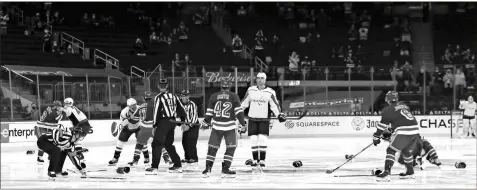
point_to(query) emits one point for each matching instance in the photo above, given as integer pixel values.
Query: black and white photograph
(238, 94)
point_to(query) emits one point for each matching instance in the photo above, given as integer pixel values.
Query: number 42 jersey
(223, 109)
(400, 119)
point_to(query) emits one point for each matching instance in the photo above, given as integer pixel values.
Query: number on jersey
(407, 114)
(222, 110)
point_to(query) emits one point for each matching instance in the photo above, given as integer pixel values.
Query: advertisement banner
(4, 138)
(21, 132)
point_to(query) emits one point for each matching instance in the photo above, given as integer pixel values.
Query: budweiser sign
(215, 77)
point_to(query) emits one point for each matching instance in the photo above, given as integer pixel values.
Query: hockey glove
(282, 118)
(386, 135)
(204, 125)
(376, 140)
(242, 129)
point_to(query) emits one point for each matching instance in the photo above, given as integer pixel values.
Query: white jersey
(130, 118)
(259, 101)
(75, 115)
(469, 108)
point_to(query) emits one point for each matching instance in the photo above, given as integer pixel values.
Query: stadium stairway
(18, 49)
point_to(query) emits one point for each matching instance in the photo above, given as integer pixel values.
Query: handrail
(106, 58)
(72, 42)
(158, 66)
(16, 9)
(19, 74)
(143, 72)
(260, 63)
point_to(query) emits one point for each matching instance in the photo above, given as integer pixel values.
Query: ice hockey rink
(318, 154)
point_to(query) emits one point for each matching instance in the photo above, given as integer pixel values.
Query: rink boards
(346, 126)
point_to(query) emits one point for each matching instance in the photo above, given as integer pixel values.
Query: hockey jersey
(223, 109)
(75, 115)
(469, 108)
(400, 120)
(129, 116)
(146, 112)
(50, 118)
(258, 101)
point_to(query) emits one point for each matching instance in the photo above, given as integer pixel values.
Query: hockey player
(405, 135)
(62, 142)
(47, 122)
(76, 116)
(146, 116)
(259, 99)
(423, 149)
(222, 111)
(468, 119)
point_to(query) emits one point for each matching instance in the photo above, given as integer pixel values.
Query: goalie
(423, 149)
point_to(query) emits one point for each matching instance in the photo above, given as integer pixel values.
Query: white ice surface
(319, 154)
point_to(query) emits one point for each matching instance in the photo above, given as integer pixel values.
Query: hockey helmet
(147, 95)
(185, 93)
(225, 84)
(131, 102)
(69, 101)
(392, 96)
(82, 131)
(56, 103)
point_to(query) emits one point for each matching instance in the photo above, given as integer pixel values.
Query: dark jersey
(400, 120)
(147, 111)
(223, 109)
(50, 117)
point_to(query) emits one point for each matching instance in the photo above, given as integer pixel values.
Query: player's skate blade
(152, 171)
(406, 176)
(113, 162)
(383, 177)
(175, 169)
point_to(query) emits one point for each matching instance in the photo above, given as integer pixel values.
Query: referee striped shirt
(191, 110)
(61, 137)
(168, 105)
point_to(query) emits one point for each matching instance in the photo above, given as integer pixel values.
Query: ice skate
(152, 171)
(436, 162)
(40, 160)
(51, 174)
(62, 174)
(255, 167)
(384, 177)
(226, 172)
(113, 162)
(175, 169)
(133, 163)
(192, 164)
(261, 166)
(407, 175)
(207, 171)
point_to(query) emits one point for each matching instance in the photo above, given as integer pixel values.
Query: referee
(190, 134)
(167, 106)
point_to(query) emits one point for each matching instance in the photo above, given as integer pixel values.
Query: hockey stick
(181, 122)
(289, 118)
(351, 158)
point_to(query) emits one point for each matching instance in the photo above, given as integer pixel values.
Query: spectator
(423, 78)
(183, 30)
(47, 41)
(3, 23)
(237, 44)
(94, 20)
(353, 34)
(305, 64)
(294, 60)
(187, 60)
(153, 38)
(447, 57)
(406, 35)
(177, 62)
(139, 47)
(363, 34)
(85, 21)
(437, 83)
(356, 105)
(468, 56)
(57, 19)
(460, 82)
(448, 82)
(241, 11)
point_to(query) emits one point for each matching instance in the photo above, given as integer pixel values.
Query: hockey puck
(376, 172)
(297, 164)
(349, 156)
(460, 165)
